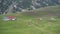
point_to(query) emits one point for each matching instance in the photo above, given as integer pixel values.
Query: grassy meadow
(40, 21)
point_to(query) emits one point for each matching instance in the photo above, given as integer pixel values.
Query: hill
(9, 6)
(40, 21)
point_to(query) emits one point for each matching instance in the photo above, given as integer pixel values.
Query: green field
(33, 22)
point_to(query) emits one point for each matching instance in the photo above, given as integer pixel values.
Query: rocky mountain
(21, 5)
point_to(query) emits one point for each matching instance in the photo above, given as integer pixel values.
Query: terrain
(40, 21)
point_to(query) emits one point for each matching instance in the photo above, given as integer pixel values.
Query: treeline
(26, 4)
(4, 4)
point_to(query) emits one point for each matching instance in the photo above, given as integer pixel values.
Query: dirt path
(10, 9)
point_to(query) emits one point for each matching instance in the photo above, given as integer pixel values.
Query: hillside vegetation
(12, 6)
(40, 21)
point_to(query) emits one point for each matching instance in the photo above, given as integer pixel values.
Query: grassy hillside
(40, 21)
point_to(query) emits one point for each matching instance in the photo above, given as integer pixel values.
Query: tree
(1, 7)
(26, 3)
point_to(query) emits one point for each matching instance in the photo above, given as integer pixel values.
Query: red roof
(11, 17)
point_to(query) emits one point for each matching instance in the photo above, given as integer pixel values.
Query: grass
(27, 23)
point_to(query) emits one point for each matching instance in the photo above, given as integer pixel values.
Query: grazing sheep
(41, 19)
